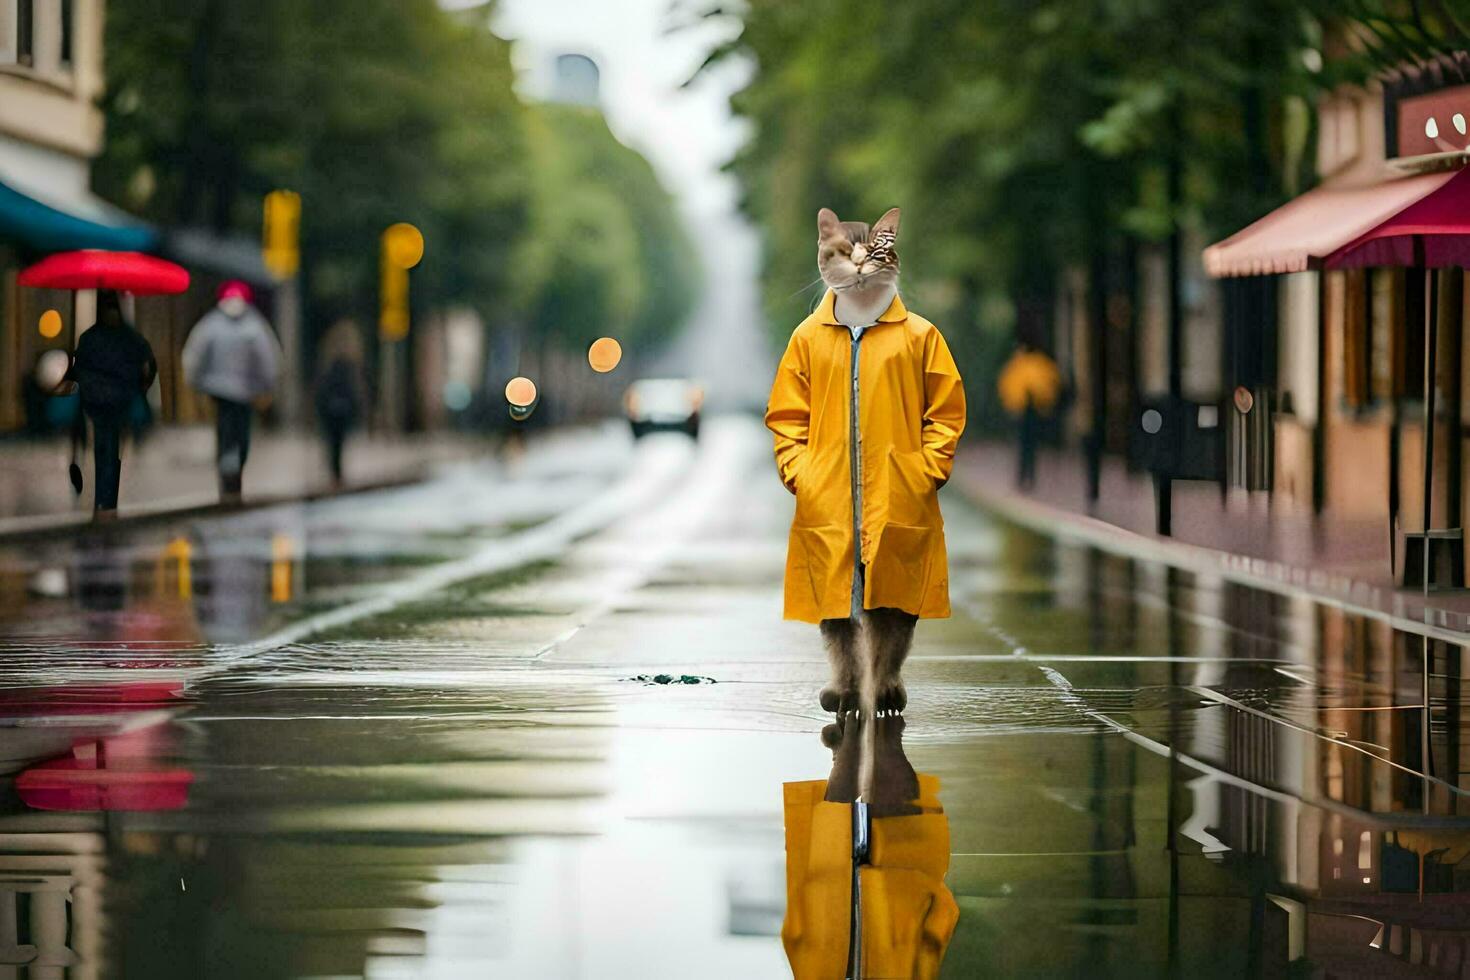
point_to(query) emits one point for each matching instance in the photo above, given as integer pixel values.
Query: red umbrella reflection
(132, 272)
(109, 774)
(113, 772)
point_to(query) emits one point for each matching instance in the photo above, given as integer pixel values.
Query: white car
(663, 404)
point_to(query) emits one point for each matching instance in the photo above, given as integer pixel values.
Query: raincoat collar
(827, 311)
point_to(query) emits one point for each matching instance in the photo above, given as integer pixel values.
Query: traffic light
(402, 248)
(281, 236)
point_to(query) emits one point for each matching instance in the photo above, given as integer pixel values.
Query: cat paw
(832, 736)
(892, 697)
(838, 701)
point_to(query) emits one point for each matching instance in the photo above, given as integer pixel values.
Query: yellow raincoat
(1029, 377)
(908, 914)
(911, 406)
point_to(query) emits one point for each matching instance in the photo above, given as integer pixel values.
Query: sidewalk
(174, 470)
(1241, 538)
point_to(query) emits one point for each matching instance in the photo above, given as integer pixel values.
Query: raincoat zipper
(855, 467)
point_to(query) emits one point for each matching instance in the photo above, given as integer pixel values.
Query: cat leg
(840, 636)
(890, 634)
(893, 786)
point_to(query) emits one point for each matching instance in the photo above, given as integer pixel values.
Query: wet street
(534, 719)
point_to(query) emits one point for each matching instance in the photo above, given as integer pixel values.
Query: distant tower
(577, 81)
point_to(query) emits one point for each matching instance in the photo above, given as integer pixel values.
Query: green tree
(1022, 140)
(381, 111)
(607, 253)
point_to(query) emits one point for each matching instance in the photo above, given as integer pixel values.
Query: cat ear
(827, 223)
(888, 223)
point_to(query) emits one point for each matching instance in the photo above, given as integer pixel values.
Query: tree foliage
(597, 214)
(379, 111)
(1025, 138)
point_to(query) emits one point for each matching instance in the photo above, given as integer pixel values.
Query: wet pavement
(540, 718)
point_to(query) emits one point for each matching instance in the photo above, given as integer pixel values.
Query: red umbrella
(131, 272)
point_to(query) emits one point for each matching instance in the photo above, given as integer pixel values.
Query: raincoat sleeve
(944, 408)
(789, 410)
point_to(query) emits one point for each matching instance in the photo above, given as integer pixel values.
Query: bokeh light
(456, 396)
(521, 392)
(403, 244)
(50, 325)
(51, 369)
(604, 354)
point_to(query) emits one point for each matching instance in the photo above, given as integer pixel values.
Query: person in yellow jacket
(1029, 386)
(866, 854)
(866, 409)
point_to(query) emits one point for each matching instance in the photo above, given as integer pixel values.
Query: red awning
(1433, 232)
(1357, 225)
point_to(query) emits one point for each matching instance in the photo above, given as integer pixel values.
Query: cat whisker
(805, 288)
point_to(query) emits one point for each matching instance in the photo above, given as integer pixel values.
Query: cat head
(851, 254)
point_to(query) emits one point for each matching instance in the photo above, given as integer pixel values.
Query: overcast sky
(687, 133)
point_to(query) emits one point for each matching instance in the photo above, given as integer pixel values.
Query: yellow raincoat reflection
(907, 913)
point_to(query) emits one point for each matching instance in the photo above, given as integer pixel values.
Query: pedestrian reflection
(102, 575)
(232, 589)
(867, 850)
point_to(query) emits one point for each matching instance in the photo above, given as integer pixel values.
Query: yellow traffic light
(281, 236)
(401, 249)
(393, 315)
(403, 244)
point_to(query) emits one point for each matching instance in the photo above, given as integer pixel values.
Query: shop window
(1409, 337)
(1357, 340)
(1387, 289)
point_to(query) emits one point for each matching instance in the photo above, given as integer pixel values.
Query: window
(68, 19)
(1357, 339)
(1409, 359)
(25, 32)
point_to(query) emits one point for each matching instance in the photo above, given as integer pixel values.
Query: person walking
(113, 366)
(232, 355)
(340, 390)
(866, 411)
(1029, 386)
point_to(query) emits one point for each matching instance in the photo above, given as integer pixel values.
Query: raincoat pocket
(817, 558)
(816, 504)
(910, 488)
(898, 575)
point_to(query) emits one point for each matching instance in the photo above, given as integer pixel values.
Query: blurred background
(509, 688)
(649, 172)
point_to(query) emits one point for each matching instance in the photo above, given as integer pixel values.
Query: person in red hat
(233, 356)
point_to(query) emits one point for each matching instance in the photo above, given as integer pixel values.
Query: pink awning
(1334, 227)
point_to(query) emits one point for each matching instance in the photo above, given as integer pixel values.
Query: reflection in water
(867, 850)
(1146, 772)
(1274, 786)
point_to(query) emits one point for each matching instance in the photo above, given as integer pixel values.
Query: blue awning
(40, 227)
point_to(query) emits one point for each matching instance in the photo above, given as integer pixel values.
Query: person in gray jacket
(232, 355)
